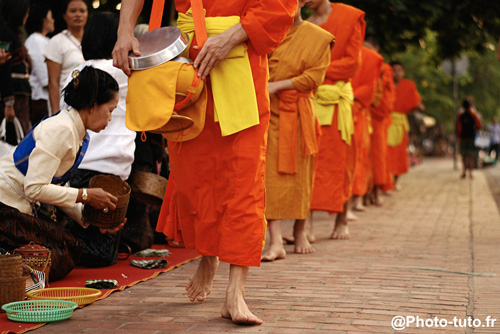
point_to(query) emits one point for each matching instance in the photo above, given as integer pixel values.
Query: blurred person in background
(14, 74)
(64, 51)
(39, 24)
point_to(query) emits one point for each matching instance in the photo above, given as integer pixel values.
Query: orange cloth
(364, 85)
(215, 199)
(335, 162)
(381, 112)
(292, 105)
(303, 57)
(407, 99)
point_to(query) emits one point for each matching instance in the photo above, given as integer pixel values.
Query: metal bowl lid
(158, 46)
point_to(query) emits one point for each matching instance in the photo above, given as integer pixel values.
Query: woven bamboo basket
(12, 289)
(11, 266)
(116, 187)
(81, 296)
(148, 187)
(36, 257)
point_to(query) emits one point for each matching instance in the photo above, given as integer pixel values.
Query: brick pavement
(435, 221)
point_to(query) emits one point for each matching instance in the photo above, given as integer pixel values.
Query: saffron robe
(380, 111)
(335, 162)
(364, 85)
(303, 57)
(215, 195)
(407, 99)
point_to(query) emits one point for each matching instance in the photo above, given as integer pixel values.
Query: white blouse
(65, 50)
(36, 44)
(58, 140)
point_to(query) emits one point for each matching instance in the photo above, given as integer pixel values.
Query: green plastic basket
(39, 310)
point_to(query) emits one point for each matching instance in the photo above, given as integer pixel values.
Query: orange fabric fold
(335, 162)
(292, 104)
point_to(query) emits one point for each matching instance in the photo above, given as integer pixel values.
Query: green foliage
(482, 80)
(460, 25)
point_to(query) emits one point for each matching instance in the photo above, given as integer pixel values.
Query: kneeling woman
(39, 167)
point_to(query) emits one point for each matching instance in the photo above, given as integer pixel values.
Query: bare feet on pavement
(341, 232)
(235, 307)
(274, 252)
(302, 244)
(350, 216)
(200, 285)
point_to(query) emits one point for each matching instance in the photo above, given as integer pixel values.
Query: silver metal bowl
(158, 47)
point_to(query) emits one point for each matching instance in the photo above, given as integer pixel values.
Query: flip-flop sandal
(101, 283)
(149, 264)
(149, 252)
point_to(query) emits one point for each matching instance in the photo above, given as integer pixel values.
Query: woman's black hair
(67, 2)
(12, 13)
(394, 63)
(466, 105)
(38, 12)
(90, 86)
(99, 37)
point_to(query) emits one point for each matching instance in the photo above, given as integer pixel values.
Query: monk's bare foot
(289, 240)
(302, 244)
(351, 216)
(386, 193)
(378, 201)
(341, 232)
(200, 285)
(235, 307)
(359, 207)
(274, 252)
(237, 310)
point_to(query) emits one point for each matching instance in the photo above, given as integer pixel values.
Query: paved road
(437, 221)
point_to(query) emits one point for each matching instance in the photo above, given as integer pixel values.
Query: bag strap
(198, 18)
(156, 14)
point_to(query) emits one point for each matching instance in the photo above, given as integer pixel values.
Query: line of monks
(338, 130)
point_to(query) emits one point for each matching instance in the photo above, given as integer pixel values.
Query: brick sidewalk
(436, 221)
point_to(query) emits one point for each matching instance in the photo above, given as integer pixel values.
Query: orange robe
(364, 85)
(380, 111)
(215, 195)
(407, 99)
(335, 162)
(303, 57)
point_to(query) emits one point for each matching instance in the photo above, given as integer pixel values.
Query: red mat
(122, 271)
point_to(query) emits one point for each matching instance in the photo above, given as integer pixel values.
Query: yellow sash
(397, 129)
(235, 100)
(327, 96)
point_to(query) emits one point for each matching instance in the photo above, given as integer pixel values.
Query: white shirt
(65, 50)
(36, 44)
(58, 140)
(111, 150)
(494, 129)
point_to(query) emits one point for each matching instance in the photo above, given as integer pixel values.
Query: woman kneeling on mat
(36, 171)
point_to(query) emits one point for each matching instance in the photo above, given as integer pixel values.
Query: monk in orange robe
(215, 201)
(364, 85)
(380, 112)
(407, 100)
(296, 69)
(335, 163)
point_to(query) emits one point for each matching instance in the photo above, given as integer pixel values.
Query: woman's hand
(4, 56)
(124, 44)
(9, 113)
(101, 199)
(113, 230)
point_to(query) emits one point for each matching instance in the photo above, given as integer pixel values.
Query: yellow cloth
(396, 131)
(151, 108)
(327, 96)
(235, 100)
